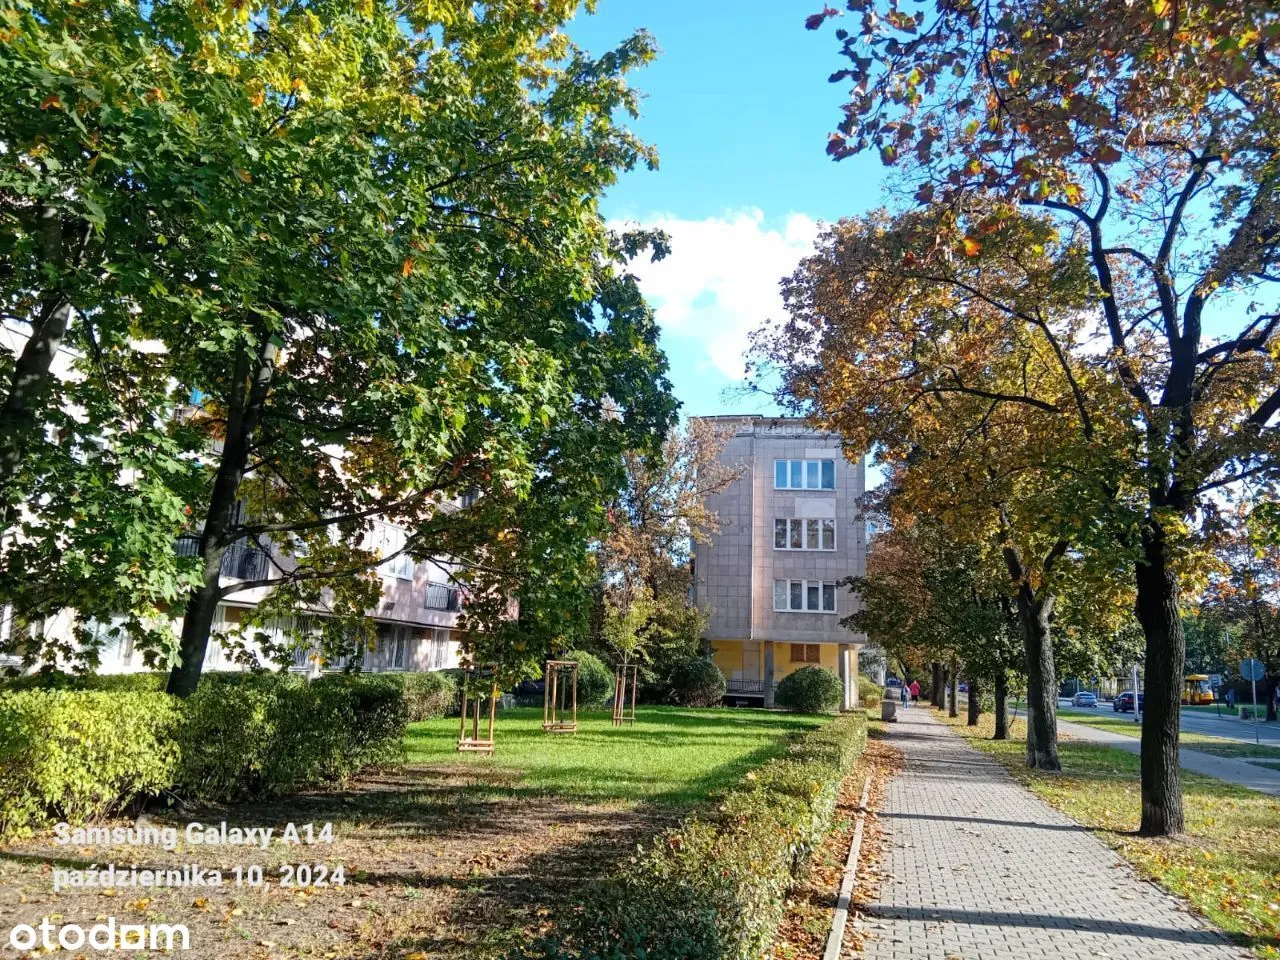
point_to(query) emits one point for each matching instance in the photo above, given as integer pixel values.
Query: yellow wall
(727, 655)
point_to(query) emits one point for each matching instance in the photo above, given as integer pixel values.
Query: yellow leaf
(971, 247)
(407, 268)
(244, 175)
(50, 101)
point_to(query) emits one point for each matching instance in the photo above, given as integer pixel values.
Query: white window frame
(803, 471)
(387, 540)
(802, 524)
(805, 586)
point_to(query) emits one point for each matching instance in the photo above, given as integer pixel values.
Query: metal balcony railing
(744, 687)
(441, 597)
(241, 561)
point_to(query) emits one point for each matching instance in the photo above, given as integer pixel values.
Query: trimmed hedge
(111, 682)
(870, 693)
(428, 696)
(266, 739)
(73, 755)
(714, 889)
(697, 683)
(77, 755)
(810, 690)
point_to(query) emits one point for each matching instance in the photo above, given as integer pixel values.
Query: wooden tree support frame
(560, 697)
(625, 683)
(473, 706)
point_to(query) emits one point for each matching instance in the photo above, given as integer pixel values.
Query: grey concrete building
(790, 530)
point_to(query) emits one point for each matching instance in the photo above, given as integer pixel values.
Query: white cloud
(721, 280)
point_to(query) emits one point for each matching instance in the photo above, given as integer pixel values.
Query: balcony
(442, 597)
(240, 562)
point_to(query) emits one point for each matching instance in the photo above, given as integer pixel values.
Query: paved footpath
(981, 869)
(1251, 775)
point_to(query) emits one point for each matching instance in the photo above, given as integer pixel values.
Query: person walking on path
(976, 866)
(915, 690)
(904, 695)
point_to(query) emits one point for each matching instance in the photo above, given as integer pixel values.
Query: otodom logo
(101, 936)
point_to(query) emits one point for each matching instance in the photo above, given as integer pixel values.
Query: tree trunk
(244, 412)
(1002, 705)
(1042, 683)
(1162, 627)
(935, 685)
(953, 708)
(1034, 612)
(975, 702)
(30, 379)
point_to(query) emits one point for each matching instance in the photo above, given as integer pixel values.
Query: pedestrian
(915, 690)
(1231, 699)
(904, 694)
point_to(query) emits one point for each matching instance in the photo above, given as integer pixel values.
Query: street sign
(1252, 669)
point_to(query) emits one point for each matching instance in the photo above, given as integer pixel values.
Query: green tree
(366, 241)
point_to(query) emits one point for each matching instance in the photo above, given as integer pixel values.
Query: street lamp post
(1137, 716)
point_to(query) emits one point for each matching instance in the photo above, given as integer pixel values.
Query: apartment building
(790, 531)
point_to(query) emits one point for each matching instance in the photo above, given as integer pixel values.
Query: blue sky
(739, 108)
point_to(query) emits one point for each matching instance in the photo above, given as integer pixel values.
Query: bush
(79, 755)
(114, 683)
(595, 680)
(276, 734)
(715, 889)
(429, 696)
(810, 690)
(697, 683)
(870, 693)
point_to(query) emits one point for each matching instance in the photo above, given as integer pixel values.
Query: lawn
(1218, 746)
(1227, 865)
(450, 856)
(669, 757)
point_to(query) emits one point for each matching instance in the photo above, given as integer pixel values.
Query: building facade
(791, 529)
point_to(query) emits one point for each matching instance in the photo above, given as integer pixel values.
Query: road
(1194, 721)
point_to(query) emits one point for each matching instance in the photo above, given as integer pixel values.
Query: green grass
(1218, 746)
(670, 756)
(1227, 864)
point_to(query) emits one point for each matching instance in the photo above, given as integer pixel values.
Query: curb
(835, 939)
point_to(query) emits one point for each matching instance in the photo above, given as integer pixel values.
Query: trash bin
(889, 710)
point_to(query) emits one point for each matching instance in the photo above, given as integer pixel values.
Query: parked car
(1084, 699)
(964, 688)
(892, 681)
(1123, 703)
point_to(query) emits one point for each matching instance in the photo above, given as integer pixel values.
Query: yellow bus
(1196, 689)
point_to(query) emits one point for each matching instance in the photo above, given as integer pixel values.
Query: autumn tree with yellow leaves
(1144, 137)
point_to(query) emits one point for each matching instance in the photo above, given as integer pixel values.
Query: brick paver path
(980, 868)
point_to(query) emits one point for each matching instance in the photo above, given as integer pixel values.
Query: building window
(804, 596)
(393, 646)
(804, 474)
(805, 653)
(804, 534)
(390, 541)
